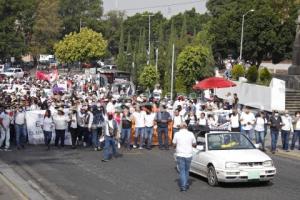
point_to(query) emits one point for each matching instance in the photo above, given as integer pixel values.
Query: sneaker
(134, 146)
(141, 148)
(104, 160)
(84, 144)
(95, 149)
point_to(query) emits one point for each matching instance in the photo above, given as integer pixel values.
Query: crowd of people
(96, 120)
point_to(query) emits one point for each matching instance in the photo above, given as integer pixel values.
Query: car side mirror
(200, 147)
(257, 146)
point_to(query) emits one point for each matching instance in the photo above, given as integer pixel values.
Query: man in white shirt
(5, 120)
(149, 123)
(248, 120)
(139, 119)
(184, 141)
(286, 129)
(20, 127)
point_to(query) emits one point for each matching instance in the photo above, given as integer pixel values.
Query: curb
(16, 183)
(290, 155)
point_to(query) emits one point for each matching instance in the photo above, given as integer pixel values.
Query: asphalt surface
(139, 174)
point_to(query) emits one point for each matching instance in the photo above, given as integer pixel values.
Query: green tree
(81, 12)
(265, 76)
(148, 77)
(252, 74)
(46, 27)
(194, 63)
(84, 46)
(121, 60)
(237, 72)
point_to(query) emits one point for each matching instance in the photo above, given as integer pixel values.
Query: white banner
(35, 132)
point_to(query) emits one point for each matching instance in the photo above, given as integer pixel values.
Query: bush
(252, 74)
(265, 76)
(237, 71)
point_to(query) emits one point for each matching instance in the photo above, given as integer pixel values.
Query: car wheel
(212, 176)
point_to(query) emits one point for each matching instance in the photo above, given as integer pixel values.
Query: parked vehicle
(14, 72)
(230, 157)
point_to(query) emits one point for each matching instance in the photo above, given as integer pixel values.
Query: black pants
(60, 135)
(74, 135)
(80, 133)
(87, 136)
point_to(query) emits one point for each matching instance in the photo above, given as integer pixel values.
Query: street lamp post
(242, 33)
(149, 38)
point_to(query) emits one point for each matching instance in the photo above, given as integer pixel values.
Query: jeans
(125, 136)
(249, 134)
(74, 135)
(296, 136)
(109, 142)
(20, 134)
(95, 137)
(184, 165)
(139, 131)
(161, 132)
(87, 136)
(148, 136)
(47, 137)
(274, 139)
(5, 135)
(285, 136)
(60, 136)
(260, 138)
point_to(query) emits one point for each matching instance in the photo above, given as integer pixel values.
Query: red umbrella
(213, 82)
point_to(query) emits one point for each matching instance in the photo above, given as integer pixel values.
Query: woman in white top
(235, 121)
(47, 128)
(296, 134)
(61, 123)
(259, 128)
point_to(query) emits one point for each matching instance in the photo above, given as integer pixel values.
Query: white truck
(14, 72)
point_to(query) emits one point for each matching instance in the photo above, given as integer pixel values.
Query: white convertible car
(230, 157)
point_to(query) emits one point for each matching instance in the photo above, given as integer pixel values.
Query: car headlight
(268, 163)
(231, 165)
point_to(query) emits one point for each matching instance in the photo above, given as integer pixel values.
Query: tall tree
(86, 13)
(46, 28)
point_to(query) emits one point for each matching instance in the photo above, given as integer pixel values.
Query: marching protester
(296, 135)
(111, 129)
(162, 120)
(177, 120)
(73, 127)
(139, 120)
(48, 126)
(286, 130)
(5, 120)
(20, 127)
(247, 121)
(275, 127)
(184, 141)
(60, 123)
(97, 124)
(260, 129)
(234, 120)
(126, 124)
(149, 127)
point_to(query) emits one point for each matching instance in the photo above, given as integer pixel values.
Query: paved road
(139, 174)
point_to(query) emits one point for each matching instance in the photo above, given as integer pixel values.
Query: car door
(197, 165)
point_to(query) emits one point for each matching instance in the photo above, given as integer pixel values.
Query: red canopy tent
(212, 83)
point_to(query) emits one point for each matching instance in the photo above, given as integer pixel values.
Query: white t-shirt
(202, 122)
(247, 118)
(139, 118)
(184, 140)
(149, 120)
(20, 118)
(234, 121)
(297, 126)
(260, 124)
(177, 120)
(48, 124)
(287, 121)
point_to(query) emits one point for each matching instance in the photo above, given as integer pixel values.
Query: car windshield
(10, 70)
(228, 141)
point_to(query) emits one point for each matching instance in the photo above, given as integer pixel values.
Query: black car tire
(212, 176)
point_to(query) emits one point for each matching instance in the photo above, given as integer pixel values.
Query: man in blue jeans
(20, 128)
(110, 134)
(162, 120)
(184, 141)
(275, 126)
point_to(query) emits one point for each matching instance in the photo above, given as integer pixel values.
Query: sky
(166, 7)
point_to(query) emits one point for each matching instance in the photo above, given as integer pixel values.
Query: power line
(162, 6)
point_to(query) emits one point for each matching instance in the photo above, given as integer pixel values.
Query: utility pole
(149, 38)
(156, 60)
(172, 73)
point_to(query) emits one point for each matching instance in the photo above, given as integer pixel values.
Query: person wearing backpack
(162, 120)
(111, 129)
(98, 122)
